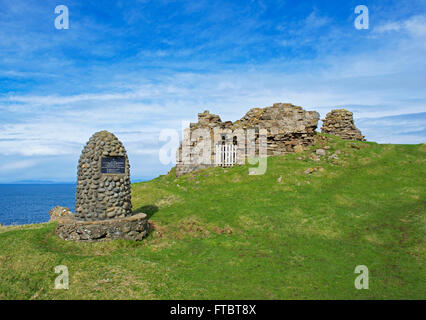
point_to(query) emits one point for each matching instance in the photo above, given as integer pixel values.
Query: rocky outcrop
(340, 123)
(101, 194)
(60, 213)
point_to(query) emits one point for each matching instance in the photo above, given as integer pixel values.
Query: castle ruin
(279, 129)
(282, 128)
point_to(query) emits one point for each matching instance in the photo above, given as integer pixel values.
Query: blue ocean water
(30, 203)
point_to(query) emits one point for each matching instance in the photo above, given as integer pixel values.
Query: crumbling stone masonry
(340, 123)
(284, 127)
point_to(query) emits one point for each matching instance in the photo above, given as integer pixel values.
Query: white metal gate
(226, 155)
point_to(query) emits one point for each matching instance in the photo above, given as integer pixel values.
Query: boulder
(320, 152)
(60, 213)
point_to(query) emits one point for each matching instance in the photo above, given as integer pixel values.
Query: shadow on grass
(149, 210)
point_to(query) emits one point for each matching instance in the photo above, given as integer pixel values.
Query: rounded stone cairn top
(103, 183)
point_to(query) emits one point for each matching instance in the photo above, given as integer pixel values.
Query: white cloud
(414, 26)
(61, 100)
(403, 128)
(376, 84)
(17, 165)
(316, 21)
(389, 26)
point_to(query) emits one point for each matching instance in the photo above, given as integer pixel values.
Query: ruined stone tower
(340, 123)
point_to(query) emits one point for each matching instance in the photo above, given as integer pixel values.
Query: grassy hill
(222, 234)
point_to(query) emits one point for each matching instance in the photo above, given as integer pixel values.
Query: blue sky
(137, 67)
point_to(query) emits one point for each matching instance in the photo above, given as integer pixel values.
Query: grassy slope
(222, 234)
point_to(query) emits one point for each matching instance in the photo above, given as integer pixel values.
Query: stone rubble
(320, 152)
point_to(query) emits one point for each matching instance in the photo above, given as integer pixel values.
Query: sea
(31, 203)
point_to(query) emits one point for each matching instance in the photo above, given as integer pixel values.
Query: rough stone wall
(340, 123)
(288, 128)
(101, 196)
(287, 125)
(135, 227)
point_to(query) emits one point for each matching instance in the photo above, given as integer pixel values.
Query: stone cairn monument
(340, 123)
(103, 196)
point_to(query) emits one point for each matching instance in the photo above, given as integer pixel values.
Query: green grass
(222, 234)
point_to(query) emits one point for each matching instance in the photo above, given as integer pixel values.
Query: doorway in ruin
(226, 153)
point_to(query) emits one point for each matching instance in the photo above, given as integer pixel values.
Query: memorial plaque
(113, 165)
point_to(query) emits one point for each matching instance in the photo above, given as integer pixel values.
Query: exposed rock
(340, 123)
(309, 171)
(315, 157)
(312, 170)
(320, 152)
(61, 213)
